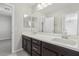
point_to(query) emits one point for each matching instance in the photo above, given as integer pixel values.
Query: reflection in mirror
(30, 23)
(27, 22)
(45, 24)
(48, 25)
(70, 24)
(39, 24)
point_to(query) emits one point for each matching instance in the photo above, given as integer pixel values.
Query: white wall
(5, 27)
(20, 10)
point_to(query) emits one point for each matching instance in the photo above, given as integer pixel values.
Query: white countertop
(48, 38)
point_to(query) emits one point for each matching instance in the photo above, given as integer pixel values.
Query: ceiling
(5, 9)
(52, 8)
(55, 7)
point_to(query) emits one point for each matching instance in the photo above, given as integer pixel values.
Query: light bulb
(25, 15)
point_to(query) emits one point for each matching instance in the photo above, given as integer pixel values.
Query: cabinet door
(28, 45)
(46, 52)
(24, 45)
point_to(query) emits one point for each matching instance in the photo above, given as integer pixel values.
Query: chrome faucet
(65, 36)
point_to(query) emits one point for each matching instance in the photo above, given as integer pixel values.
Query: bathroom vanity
(37, 45)
(50, 45)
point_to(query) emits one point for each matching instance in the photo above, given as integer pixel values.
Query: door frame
(12, 27)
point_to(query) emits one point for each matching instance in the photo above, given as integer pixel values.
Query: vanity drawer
(36, 48)
(36, 41)
(35, 54)
(26, 37)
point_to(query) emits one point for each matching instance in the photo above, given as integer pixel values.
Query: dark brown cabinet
(26, 43)
(57, 50)
(39, 48)
(35, 54)
(36, 47)
(47, 52)
(35, 41)
(49, 49)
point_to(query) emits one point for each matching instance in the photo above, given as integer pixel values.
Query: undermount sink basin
(65, 41)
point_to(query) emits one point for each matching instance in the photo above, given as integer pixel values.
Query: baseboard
(18, 50)
(4, 38)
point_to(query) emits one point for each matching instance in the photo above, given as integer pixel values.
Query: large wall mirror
(47, 24)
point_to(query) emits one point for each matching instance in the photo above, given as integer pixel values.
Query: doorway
(6, 29)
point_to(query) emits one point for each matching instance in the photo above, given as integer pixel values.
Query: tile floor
(20, 53)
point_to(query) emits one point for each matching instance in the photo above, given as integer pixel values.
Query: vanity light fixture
(42, 5)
